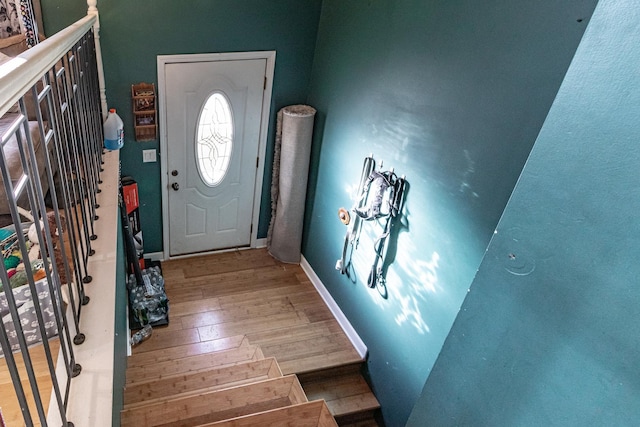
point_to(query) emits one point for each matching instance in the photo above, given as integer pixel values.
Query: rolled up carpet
(289, 181)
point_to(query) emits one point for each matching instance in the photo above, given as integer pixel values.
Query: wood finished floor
(224, 302)
(9, 405)
(218, 301)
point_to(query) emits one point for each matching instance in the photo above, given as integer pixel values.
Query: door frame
(162, 60)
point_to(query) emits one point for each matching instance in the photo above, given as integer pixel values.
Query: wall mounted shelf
(145, 122)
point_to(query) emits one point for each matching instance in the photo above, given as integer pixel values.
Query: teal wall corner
(548, 333)
(453, 96)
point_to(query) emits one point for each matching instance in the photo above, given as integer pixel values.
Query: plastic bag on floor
(148, 303)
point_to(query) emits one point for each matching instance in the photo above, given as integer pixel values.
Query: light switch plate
(148, 156)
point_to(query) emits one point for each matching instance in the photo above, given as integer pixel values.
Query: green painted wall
(57, 14)
(121, 330)
(453, 95)
(548, 334)
(133, 33)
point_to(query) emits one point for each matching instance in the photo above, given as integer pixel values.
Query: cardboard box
(132, 203)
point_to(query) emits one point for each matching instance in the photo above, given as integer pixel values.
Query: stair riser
(311, 414)
(361, 419)
(210, 380)
(191, 364)
(217, 405)
(347, 394)
(333, 372)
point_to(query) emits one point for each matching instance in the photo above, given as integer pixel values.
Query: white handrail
(22, 72)
(92, 10)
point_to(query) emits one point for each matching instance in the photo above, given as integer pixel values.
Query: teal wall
(453, 95)
(58, 14)
(121, 330)
(449, 93)
(548, 334)
(133, 33)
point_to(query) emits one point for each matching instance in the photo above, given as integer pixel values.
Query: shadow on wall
(420, 279)
(388, 257)
(312, 180)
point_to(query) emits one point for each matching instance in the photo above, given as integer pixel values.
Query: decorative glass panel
(214, 139)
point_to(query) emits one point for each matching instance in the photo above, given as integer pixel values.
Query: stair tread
(368, 422)
(324, 342)
(349, 368)
(186, 350)
(198, 362)
(244, 306)
(324, 346)
(318, 362)
(345, 394)
(182, 385)
(349, 405)
(308, 414)
(217, 405)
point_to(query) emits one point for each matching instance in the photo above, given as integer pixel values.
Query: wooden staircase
(345, 392)
(241, 387)
(250, 343)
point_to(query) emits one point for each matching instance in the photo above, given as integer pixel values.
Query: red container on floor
(132, 203)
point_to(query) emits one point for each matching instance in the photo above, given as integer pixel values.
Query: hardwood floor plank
(323, 345)
(9, 402)
(168, 337)
(185, 294)
(140, 358)
(353, 404)
(240, 261)
(231, 278)
(315, 312)
(183, 385)
(206, 288)
(276, 321)
(295, 333)
(172, 274)
(245, 287)
(308, 414)
(193, 307)
(270, 293)
(174, 326)
(231, 308)
(198, 362)
(235, 313)
(318, 362)
(335, 388)
(217, 405)
(38, 360)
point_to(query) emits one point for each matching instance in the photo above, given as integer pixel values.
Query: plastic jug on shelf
(113, 131)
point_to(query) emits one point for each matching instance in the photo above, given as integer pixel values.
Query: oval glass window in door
(214, 139)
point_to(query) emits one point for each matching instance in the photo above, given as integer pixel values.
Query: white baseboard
(155, 256)
(351, 333)
(159, 256)
(129, 351)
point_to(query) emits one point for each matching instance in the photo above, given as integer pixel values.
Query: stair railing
(50, 102)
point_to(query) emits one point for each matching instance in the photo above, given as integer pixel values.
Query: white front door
(213, 124)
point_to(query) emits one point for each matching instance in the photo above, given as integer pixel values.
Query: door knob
(175, 186)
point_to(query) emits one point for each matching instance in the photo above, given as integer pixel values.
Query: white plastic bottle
(113, 131)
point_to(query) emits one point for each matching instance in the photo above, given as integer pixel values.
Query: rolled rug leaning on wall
(289, 181)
